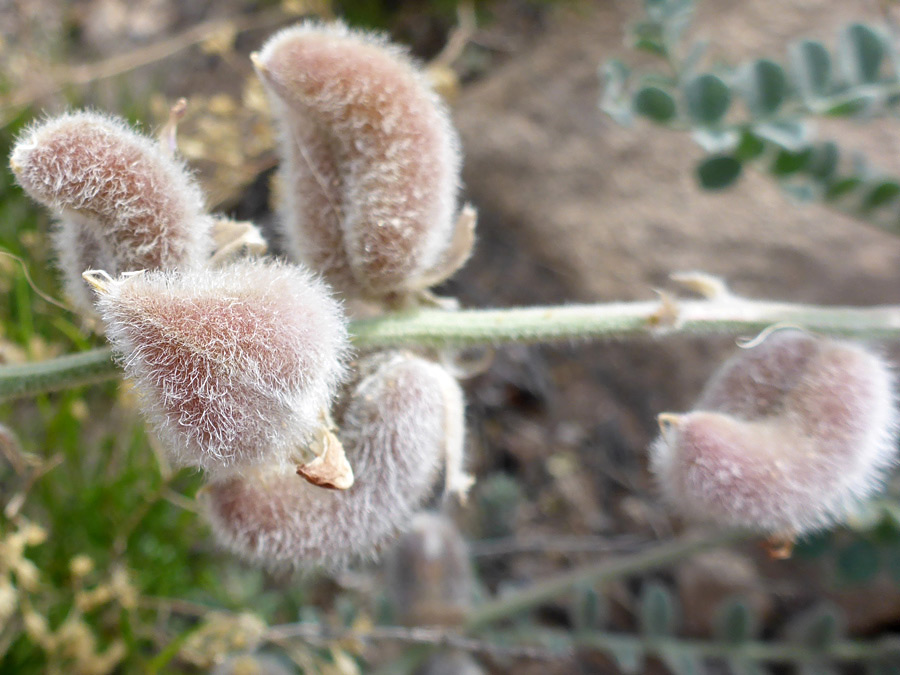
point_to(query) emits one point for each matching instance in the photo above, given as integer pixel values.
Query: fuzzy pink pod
(124, 204)
(395, 427)
(235, 365)
(370, 158)
(788, 437)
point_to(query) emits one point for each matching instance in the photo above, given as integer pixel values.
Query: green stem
(434, 328)
(729, 315)
(603, 571)
(63, 372)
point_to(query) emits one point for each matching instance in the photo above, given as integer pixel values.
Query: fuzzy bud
(370, 164)
(788, 437)
(80, 566)
(400, 420)
(123, 202)
(235, 365)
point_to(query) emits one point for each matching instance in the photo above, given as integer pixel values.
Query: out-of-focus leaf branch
(773, 130)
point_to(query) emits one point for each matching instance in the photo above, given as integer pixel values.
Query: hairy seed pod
(234, 365)
(395, 426)
(122, 201)
(370, 164)
(754, 382)
(787, 437)
(429, 573)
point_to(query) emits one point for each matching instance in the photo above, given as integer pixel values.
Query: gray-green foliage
(658, 613)
(813, 642)
(761, 113)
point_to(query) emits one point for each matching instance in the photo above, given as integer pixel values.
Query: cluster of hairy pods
(244, 367)
(788, 437)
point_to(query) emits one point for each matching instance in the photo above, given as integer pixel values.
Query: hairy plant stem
(441, 329)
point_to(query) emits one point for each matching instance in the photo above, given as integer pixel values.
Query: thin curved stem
(441, 329)
(603, 571)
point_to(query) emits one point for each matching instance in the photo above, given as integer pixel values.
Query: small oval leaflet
(812, 68)
(655, 104)
(862, 53)
(708, 98)
(718, 172)
(658, 610)
(767, 87)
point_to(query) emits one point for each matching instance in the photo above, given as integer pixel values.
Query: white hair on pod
(234, 365)
(120, 199)
(788, 437)
(370, 158)
(394, 428)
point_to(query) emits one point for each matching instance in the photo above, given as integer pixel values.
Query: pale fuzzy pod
(370, 158)
(394, 427)
(754, 382)
(112, 186)
(234, 365)
(789, 437)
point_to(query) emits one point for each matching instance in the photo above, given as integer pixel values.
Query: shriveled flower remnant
(787, 438)
(243, 366)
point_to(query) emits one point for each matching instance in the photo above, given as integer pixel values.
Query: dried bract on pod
(396, 427)
(234, 239)
(370, 166)
(788, 437)
(123, 202)
(234, 365)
